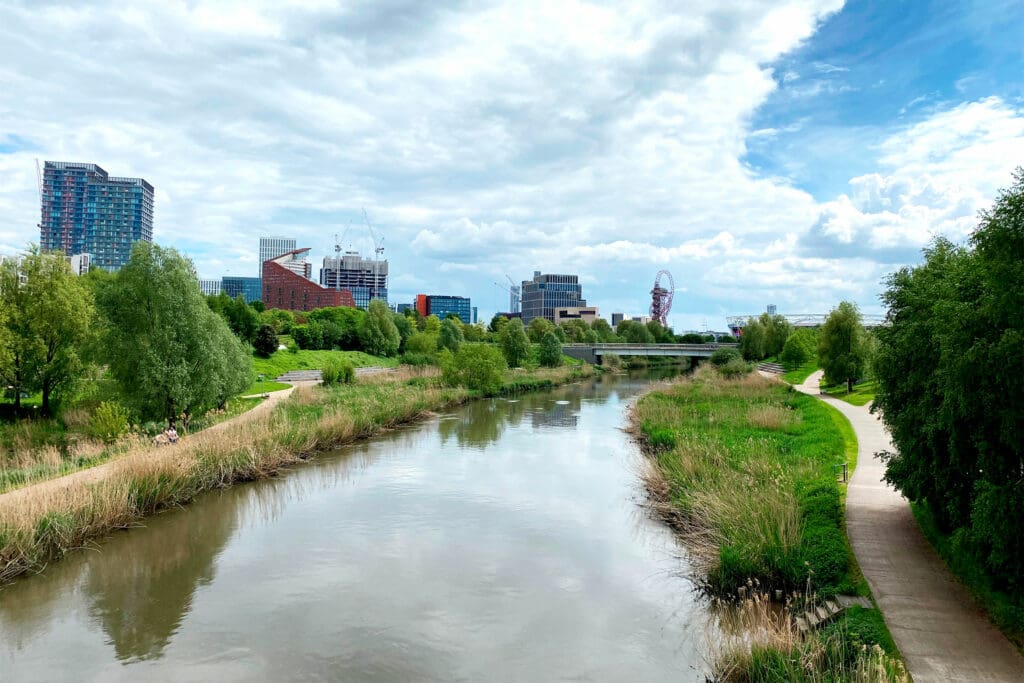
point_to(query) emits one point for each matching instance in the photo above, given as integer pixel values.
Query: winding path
(942, 633)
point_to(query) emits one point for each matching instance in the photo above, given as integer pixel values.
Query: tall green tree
(169, 353)
(406, 328)
(603, 330)
(842, 346)
(451, 335)
(60, 311)
(378, 333)
(550, 350)
(537, 328)
(514, 343)
(497, 323)
(20, 346)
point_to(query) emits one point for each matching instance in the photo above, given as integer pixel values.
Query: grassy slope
(284, 361)
(41, 528)
(800, 374)
(862, 394)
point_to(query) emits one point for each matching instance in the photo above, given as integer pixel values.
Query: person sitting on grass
(172, 434)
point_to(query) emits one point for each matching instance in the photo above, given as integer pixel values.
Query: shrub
(735, 368)
(475, 366)
(293, 347)
(418, 359)
(451, 335)
(109, 422)
(724, 354)
(421, 343)
(515, 345)
(338, 372)
(266, 341)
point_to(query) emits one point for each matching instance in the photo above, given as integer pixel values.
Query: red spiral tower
(661, 297)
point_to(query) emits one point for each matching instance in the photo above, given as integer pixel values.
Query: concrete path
(942, 633)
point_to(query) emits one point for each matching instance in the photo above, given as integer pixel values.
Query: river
(505, 541)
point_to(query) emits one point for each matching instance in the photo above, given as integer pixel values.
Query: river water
(503, 541)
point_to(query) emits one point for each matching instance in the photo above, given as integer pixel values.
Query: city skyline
(791, 153)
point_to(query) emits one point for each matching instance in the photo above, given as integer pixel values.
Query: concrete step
(300, 376)
(773, 368)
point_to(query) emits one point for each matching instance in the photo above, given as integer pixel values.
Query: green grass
(284, 361)
(1006, 613)
(799, 375)
(751, 463)
(264, 387)
(862, 394)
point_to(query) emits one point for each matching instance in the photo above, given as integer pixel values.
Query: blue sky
(787, 151)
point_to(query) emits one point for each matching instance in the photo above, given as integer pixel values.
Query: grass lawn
(264, 387)
(284, 361)
(800, 374)
(862, 394)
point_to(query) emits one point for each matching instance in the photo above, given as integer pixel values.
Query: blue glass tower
(86, 211)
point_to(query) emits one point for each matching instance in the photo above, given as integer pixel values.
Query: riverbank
(40, 525)
(745, 471)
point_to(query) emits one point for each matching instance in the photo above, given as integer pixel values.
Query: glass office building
(251, 288)
(86, 211)
(443, 306)
(272, 247)
(546, 292)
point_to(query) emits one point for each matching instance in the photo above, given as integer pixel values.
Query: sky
(791, 152)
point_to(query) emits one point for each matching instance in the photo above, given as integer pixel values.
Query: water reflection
(502, 541)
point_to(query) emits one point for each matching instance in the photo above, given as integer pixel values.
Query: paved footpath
(942, 633)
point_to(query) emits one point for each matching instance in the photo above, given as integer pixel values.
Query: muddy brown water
(503, 541)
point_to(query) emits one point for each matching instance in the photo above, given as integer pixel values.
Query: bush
(515, 345)
(338, 372)
(421, 343)
(735, 368)
(418, 359)
(266, 341)
(723, 355)
(451, 335)
(109, 422)
(480, 367)
(293, 347)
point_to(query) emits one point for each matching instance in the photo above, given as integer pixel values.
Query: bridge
(592, 353)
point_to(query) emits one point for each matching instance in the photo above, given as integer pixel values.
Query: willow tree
(169, 353)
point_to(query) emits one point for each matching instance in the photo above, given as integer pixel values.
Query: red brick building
(285, 288)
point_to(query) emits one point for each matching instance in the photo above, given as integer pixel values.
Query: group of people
(167, 437)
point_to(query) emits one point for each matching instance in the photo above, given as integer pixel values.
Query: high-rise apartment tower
(366, 278)
(86, 211)
(544, 293)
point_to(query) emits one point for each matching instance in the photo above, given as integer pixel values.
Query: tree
(266, 341)
(406, 328)
(633, 332)
(537, 328)
(842, 349)
(59, 314)
(280, 319)
(690, 338)
(310, 336)
(753, 340)
(514, 343)
(378, 333)
(432, 324)
(603, 330)
(497, 323)
(475, 366)
(422, 342)
(800, 347)
(46, 314)
(475, 333)
(243, 320)
(451, 335)
(550, 350)
(168, 352)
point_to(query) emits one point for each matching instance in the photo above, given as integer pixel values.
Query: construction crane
(514, 295)
(378, 251)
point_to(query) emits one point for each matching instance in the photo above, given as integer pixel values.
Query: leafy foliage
(843, 346)
(550, 350)
(169, 353)
(800, 347)
(514, 343)
(949, 387)
(723, 355)
(378, 333)
(764, 336)
(451, 335)
(109, 422)
(265, 343)
(338, 372)
(480, 367)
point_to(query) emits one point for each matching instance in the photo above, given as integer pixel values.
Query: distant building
(295, 261)
(474, 321)
(249, 288)
(285, 288)
(617, 318)
(80, 264)
(587, 314)
(86, 211)
(546, 292)
(443, 305)
(210, 287)
(642, 319)
(772, 309)
(402, 308)
(366, 278)
(272, 247)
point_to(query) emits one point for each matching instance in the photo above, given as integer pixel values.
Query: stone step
(773, 368)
